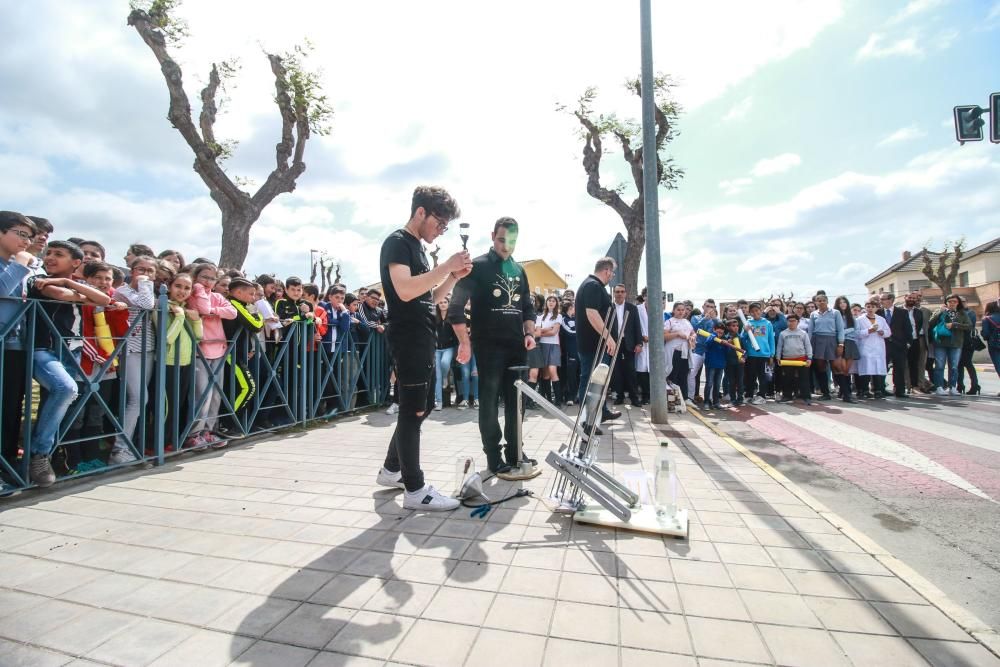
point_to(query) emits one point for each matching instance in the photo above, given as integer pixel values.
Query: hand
(273, 318)
(637, 350)
(42, 283)
(612, 347)
(459, 264)
(355, 320)
(304, 308)
(645, 339)
(380, 329)
(198, 289)
(318, 338)
(192, 314)
(464, 352)
(24, 258)
(177, 309)
(809, 362)
(529, 342)
(948, 325)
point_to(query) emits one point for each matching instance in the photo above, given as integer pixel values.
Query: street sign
(995, 118)
(968, 123)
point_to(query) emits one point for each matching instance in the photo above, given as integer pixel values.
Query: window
(892, 288)
(963, 279)
(917, 285)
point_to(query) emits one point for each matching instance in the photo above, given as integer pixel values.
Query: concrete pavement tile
(252, 577)
(803, 647)
(833, 543)
(269, 654)
(425, 569)
(848, 615)
(883, 589)
(57, 581)
(754, 577)
(463, 529)
(401, 597)
(779, 608)
(955, 654)
(567, 652)
(921, 621)
(546, 558)
(808, 525)
(201, 570)
(205, 649)
(40, 619)
(456, 605)
(255, 615)
(310, 625)
(698, 572)
(586, 622)
(19, 655)
(438, 546)
(86, 632)
(640, 545)
(649, 567)
(734, 534)
(692, 550)
(155, 595)
(200, 606)
(375, 564)
(586, 561)
(481, 576)
(798, 559)
(779, 538)
(318, 534)
(520, 614)
(371, 634)
(290, 553)
(653, 630)
(588, 588)
(811, 582)
(649, 595)
(855, 563)
(301, 584)
(347, 590)
(708, 517)
(878, 651)
(732, 640)
(743, 554)
(336, 559)
(437, 644)
(710, 662)
(530, 581)
(765, 522)
(12, 602)
(144, 642)
(633, 657)
(712, 602)
(327, 659)
(496, 648)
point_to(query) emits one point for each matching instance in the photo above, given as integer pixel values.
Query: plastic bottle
(666, 483)
(595, 390)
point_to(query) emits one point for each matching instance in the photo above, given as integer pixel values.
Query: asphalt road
(920, 476)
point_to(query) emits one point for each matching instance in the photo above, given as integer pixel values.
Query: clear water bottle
(666, 483)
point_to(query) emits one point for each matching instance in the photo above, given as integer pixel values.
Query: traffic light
(995, 118)
(968, 123)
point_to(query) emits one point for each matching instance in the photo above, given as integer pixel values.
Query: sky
(816, 135)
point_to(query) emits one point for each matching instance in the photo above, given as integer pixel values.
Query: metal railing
(297, 381)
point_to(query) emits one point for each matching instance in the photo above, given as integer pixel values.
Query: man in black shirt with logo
(592, 305)
(411, 290)
(503, 325)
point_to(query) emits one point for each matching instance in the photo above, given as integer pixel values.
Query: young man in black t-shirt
(592, 305)
(411, 290)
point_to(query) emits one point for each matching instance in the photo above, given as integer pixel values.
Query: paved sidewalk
(284, 553)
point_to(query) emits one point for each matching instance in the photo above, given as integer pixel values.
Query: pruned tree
(298, 95)
(336, 275)
(434, 255)
(595, 128)
(948, 263)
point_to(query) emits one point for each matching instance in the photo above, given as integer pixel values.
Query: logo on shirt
(507, 287)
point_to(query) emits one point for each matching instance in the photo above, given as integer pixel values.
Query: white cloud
(915, 7)
(876, 47)
(994, 14)
(734, 186)
(775, 165)
(908, 133)
(739, 110)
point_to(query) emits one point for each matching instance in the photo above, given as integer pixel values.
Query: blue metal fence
(298, 381)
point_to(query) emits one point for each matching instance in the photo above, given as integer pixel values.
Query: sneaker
(393, 480)
(392, 409)
(462, 405)
(437, 407)
(757, 400)
(429, 499)
(474, 404)
(952, 391)
(807, 402)
(194, 442)
(41, 472)
(569, 404)
(939, 391)
(123, 455)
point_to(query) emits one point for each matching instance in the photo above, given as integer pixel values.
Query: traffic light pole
(651, 217)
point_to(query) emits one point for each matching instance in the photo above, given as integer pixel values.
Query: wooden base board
(516, 474)
(644, 519)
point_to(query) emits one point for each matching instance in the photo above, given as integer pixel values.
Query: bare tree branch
(209, 108)
(592, 153)
(282, 178)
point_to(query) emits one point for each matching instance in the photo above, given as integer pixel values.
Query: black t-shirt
(65, 316)
(592, 294)
(406, 318)
(501, 301)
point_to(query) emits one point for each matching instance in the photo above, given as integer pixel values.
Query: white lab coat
(871, 345)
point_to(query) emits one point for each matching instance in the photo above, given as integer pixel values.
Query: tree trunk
(634, 247)
(235, 237)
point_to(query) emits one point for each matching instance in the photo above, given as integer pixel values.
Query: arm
(961, 323)
(142, 298)
(175, 325)
(409, 286)
(12, 276)
(456, 316)
(780, 345)
(809, 347)
(67, 289)
(770, 336)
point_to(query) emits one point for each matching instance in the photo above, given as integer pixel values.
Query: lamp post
(654, 281)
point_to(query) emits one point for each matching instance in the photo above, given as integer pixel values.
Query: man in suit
(902, 346)
(624, 378)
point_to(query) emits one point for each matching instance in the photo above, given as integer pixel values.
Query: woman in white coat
(642, 359)
(872, 331)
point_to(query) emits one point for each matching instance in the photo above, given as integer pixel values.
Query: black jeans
(898, 353)
(679, 373)
(734, 378)
(413, 357)
(795, 378)
(495, 380)
(12, 395)
(756, 377)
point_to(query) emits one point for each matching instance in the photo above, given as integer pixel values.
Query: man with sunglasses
(411, 290)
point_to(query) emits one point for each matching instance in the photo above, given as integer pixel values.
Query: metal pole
(651, 213)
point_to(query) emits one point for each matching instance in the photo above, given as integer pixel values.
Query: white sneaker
(437, 407)
(953, 392)
(429, 499)
(757, 400)
(123, 455)
(940, 392)
(569, 404)
(393, 480)
(392, 409)
(462, 405)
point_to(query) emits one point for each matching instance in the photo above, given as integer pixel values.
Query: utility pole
(651, 215)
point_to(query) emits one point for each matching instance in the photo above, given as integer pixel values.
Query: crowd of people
(88, 305)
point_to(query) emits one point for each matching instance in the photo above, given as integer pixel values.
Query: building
(978, 280)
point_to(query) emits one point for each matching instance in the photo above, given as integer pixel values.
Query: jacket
(12, 275)
(213, 308)
(960, 323)
(715, 353)
(764, 334)
(180, 342)
(794, 344)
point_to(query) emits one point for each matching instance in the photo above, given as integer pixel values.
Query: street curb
(968, 621)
